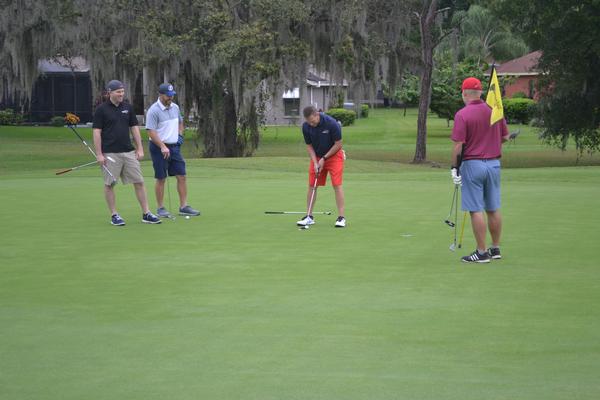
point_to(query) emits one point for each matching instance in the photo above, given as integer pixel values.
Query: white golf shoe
(307, 220)
(340, 222)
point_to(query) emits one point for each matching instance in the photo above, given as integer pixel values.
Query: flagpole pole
(492, 74)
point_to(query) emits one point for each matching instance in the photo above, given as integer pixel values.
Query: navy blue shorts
(480, 185)
(175, 164)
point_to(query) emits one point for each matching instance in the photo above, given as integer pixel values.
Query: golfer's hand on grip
(101, 159)
(456, 178)
(139, 154)
(316, 166)
(321, 163)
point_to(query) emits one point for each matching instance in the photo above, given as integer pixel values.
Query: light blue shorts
(480, 185)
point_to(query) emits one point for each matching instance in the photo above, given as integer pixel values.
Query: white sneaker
(307, 220)
(340, 222)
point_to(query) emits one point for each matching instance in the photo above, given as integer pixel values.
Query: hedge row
(518, 110)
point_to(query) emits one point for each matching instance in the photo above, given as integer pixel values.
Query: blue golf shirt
(323, 136)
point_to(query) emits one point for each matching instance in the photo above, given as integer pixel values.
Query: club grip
(64, 171)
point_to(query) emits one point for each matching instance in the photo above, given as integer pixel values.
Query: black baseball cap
(115, 85)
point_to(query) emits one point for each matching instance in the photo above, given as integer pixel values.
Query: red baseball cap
(471, 84)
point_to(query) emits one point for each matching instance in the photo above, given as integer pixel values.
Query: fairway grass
(236, 304)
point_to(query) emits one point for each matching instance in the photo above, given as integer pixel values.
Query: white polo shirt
(165, 121)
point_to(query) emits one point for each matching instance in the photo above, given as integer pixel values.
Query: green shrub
(8, 117)
(519, 95)
(364, 110)
(518, 110)
(346, 117)
(57, 121)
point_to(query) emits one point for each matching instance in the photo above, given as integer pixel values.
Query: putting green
(236, 304)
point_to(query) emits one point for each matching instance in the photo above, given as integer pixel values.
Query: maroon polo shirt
(472, 127)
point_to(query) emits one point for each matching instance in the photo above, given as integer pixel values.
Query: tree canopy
(567, 33)
(226, 57)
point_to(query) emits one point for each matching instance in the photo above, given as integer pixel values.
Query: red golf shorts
(334, 165)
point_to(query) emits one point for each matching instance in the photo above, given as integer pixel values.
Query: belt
(166, 144)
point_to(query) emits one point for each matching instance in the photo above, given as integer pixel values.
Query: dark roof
(60, 64)
(313, 77)
(525, 65)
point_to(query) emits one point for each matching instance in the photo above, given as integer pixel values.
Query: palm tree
(483, 37)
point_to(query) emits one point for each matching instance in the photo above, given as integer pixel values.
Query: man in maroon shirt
(480, 145)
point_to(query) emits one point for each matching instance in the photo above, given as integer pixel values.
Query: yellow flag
(494, 99)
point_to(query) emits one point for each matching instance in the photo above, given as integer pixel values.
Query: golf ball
(187, 217)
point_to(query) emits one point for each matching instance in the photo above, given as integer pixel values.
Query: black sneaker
(116, 220)
(475, 257)
(150, 218)
(494, 253)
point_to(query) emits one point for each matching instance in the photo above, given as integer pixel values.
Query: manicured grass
(387, 135)
(239, 305)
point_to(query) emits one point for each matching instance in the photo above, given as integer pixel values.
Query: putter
(312, 198)
(64, 171)
(94, 154)
(462, 230)
(455, 203)
(447, 221)
(298, 212)
(171, 216)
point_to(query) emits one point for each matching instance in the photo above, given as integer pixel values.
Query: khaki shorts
(125, 166)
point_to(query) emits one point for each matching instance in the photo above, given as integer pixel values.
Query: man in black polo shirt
(323, 138)
(113, 120)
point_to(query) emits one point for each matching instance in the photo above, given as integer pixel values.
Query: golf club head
(302, 228)
(449, 223)
(453, 247)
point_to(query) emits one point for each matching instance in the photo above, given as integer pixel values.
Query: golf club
(93, 153)
(170, 216)
(64, 171)
(298, 212)
(447, 221)
(312, 198)
(455, 203)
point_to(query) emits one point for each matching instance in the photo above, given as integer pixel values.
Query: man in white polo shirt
(164, 124)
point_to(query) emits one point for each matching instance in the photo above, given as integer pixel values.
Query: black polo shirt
(115, 121)
(323, 136)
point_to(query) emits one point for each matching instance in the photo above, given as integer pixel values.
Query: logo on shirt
(125, 111)
(325, 131)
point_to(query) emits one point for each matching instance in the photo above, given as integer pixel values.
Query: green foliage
(484, 37)
(519, 95)
(519, 110)
(446, 94)
(346, 117)
(9, 117)
(407, 92)
(57, 121)
(567, 33)
(364, 110)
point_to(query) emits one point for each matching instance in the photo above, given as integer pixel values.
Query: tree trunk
(427, 24)
(217, 119)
